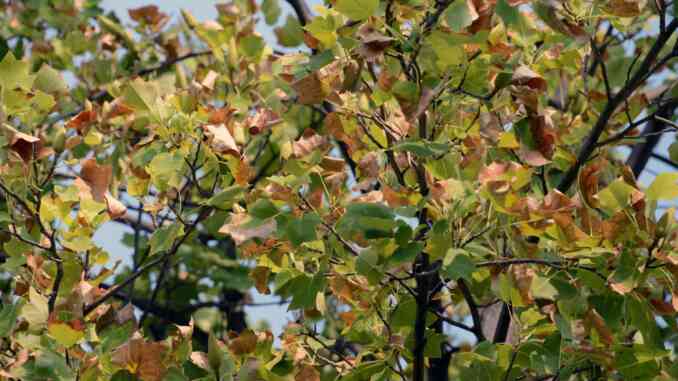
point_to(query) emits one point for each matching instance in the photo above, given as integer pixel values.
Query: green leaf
(252, 46)
(271, 10)
(298, 231)
(35, 312)
(372, 220)
(615, 196)
(461, 266)
(664, 187)
(324, 29)
(357, 10)
(423, 148)
(291, 34)
(460, 14)
(64, 334)
(50, 80)
(263, 209)
(8, 316)
(227, 197)
(367, 264)
(164, 237)
(166, 170)
(304, 290)
(15, 73)
(448, 48)
(405, 312)
(509, 15)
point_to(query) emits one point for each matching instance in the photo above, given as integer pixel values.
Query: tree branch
(302, 11)
(646, 68)
(204, 212)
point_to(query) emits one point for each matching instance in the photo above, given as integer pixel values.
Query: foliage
(432, 187)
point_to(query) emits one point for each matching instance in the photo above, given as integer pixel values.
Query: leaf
(221, 140)
(8, 317)
(311, 89)
(142, 358)
(357, 9)
(664, 187)
(227, 197)
(615, 196)
(50, 81)
(307, 144)
(307, 373)
(148, 14)
(93, 184)
(66, 334)
(166, 170)
(460, 266)
(423, 148)
(299, 230)
(448, 48)
(36, 311)
(461, 14)
(509, 15)
(241, 228)
(163, 238)
(291, 34)
(245, 343)
(15, 74)
(524, 76)
(371, 220)
(624, 8)
(271, 10)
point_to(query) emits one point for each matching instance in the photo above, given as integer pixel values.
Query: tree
(433, 187)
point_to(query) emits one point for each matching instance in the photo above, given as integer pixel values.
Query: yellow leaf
(64, 334)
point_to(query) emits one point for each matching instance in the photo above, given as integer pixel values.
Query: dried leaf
(307, 144)
(245, 343)
(240, 232)
(524, 76)
(221, 139)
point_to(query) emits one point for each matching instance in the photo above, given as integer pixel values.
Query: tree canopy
(436, 189)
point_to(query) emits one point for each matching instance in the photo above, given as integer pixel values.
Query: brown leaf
(221, 139)
(94, 182)
(260, 276)
(26, 146)
(598, 323)
(588, 182)
(141, 357)
(239, 231)
(117, 108)
(262, 120)
(625, 8)
(149, 14)
(307, 373)
(307, 144)
(311, 89)
(245, 343)
(373, 44)
(83, 120)
(209, 80)
(220, 115)
(524, 76)
(200, 359)
(97, 176)
(533, 158)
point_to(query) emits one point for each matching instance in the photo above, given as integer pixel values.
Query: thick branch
(642, 152)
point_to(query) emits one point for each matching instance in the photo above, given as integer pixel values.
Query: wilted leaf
(221, 139)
